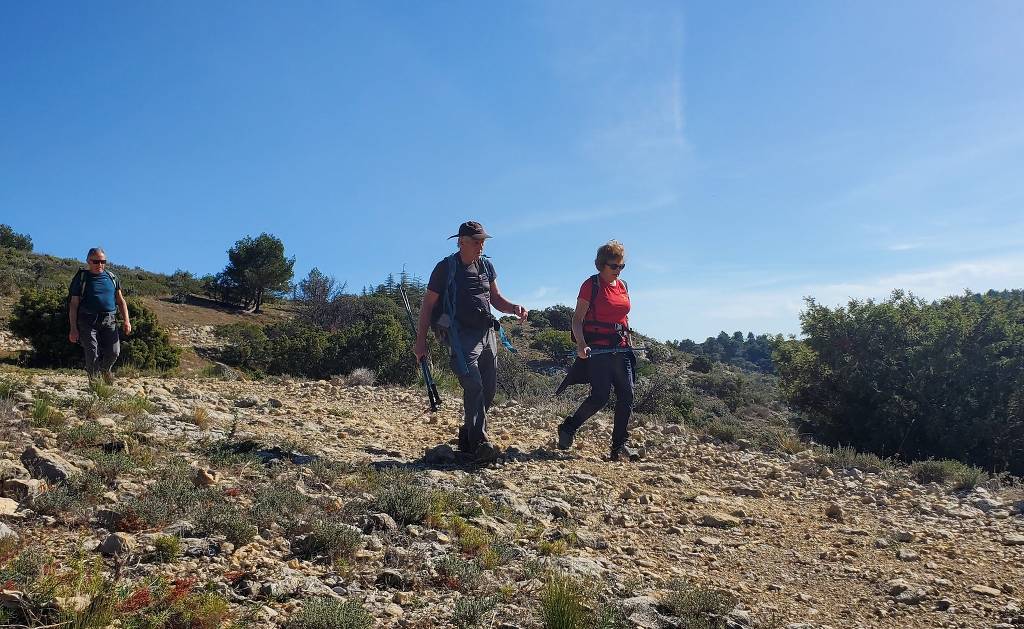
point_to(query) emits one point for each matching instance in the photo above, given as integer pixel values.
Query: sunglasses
(615, 267)
(97, 261)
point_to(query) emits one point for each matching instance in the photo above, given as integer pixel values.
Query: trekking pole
(428, 379)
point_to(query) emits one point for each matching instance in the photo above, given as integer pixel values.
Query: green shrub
(402, 495)
(459, 574)
(212, 514)
(327, 613)
(948, 471)
(280, 502)
(699, 607)
(666, 395)
(469, 611)
(914, 379)
(168, 548)
(556, 344)
(41, 317)
(846, 457)
(132, 406)
(333, 540)
(727, 430)
(372, 337)
(46, 416)
(565, 603)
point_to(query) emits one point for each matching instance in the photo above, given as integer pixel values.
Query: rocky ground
(796, 544)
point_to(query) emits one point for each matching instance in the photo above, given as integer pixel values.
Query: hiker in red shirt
(601, 330)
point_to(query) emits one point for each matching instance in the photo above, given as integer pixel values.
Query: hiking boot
(486, 452)
(624, 453)
(565, 437)
(108, 377)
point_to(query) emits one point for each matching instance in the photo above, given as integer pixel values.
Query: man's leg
(87, 338)
(599, 370)
(109, 345)
(488, 363)
(472, 388)
(622, 378)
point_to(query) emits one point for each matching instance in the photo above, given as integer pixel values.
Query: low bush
(459, 574)
(327, 613)
(334, 541)
(846, 457)
(698, 606)
(948, 471)
(168, 548)
(41, 317)
(402, 495)
(469, 611)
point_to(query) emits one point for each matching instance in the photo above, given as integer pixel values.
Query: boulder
(49, 466)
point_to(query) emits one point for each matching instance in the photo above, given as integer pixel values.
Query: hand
(127, 328)
(583, 352)
(520, 312)
(73, 336)
(420, 350)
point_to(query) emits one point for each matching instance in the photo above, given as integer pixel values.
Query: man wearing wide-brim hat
(463, 288)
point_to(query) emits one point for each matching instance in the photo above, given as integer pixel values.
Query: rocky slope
(795, 543)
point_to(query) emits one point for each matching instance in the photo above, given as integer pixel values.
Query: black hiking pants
(97, 334)
(606, 371)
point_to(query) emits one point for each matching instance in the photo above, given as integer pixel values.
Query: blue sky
(747, 154)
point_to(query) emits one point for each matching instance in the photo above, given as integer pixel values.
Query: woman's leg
(599, 368)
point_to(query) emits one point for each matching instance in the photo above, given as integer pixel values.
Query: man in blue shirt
(95, 299)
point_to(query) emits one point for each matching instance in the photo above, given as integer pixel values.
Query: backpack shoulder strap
(113, 278)
(80, 278)
(625, 286)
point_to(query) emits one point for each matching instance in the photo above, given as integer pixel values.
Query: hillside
(793, 543)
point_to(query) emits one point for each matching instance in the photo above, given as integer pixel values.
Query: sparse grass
(200, 417)
(88, 434)
(341, 412)
(326, 613)
(469, 611)
(565, 603)
(327, 471)
(786, 441)
(168, 548)
(44, 415)
(102, 390)
(699, 607)
(846, 457)
(947, 471)
(548, 548)
(332, 540)
(498, 553)
(132, 406)
(91, 407)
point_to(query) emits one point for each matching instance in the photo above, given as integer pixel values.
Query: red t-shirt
(611, 305)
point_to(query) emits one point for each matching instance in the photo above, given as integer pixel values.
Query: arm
(122, 307)
(503, 305)
(582, 307)
(429, 299)
(73, 318)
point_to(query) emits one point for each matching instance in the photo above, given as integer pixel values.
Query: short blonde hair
(612, 250)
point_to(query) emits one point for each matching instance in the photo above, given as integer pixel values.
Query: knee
(599, 398)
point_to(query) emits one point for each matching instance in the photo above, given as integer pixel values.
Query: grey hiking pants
(479, 385)
(97, 334)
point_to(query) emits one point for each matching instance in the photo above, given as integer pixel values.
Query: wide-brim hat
(472, 229)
